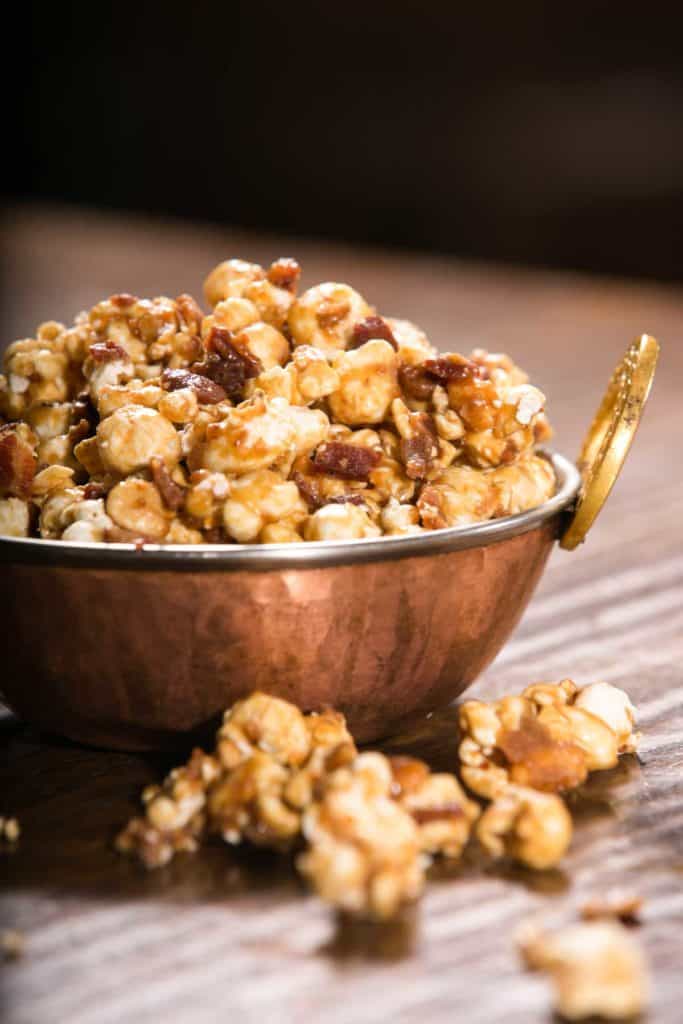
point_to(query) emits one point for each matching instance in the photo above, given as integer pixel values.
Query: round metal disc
(611, 434)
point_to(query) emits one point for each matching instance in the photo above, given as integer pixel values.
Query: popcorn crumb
(10, 830)
(597, 968)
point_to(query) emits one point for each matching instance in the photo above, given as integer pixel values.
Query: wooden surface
(234, 936)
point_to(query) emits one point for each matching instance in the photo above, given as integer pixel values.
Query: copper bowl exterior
(143, 649)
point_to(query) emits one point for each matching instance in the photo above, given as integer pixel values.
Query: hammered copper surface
(144, 659)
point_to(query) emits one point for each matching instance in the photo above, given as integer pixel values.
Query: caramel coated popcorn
(597, 969)
(276, 417)
(371, 824)
(530, 827)
(549, 738)
(364, 854)
(268, 760)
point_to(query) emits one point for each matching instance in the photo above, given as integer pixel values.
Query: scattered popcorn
(597, 969)
(364, 854)
(532, 828)
(547, 738)
(372, 823)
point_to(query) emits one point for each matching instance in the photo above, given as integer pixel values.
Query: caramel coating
(267, 386)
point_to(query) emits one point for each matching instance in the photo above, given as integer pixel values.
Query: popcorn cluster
(370, 823)
(275, 418)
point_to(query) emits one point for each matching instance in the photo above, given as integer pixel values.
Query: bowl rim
(309, 555)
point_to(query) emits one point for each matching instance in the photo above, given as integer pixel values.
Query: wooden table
(234, 936)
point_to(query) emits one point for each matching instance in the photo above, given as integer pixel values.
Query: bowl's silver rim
(310, 555)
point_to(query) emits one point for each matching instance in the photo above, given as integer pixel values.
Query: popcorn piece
(365, 856)
(437, 803)
(132, 436)
(272, 302)
(597, 969)
(52, 478)
(87, 522)
(174, 820)
(530, 827)
(265, 343)
(137, 505)
(368, 383)
(412, 343)
(267, 724)
(260, 434)
(49, 419)
(15, 517)
(544, 739)
(231, 278)
(340, 522)
(36, 372)
(325, 316)
(399, 519)
(615, 709)
(307, 378)
(258, 499)
(17, 460)
(269, 761)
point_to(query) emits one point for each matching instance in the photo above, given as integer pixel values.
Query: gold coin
(611, 434)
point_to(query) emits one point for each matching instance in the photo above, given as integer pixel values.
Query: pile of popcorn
(369, 824)
(275, 418)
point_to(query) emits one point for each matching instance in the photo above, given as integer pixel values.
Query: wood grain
(233, 935)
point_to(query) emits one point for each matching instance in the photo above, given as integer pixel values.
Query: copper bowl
(142, 649)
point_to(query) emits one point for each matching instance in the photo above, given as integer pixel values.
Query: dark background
(530, 132)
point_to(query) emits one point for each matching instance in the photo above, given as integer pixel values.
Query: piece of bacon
(346, 461)
(208, 392)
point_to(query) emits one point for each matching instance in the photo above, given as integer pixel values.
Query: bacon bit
(346, 461)
(309, 490)
(171, 492)
(227, 365)
(189, 313)
(419, 451)
(208, 392)
(346, 499)
(123, 299)
(408, 774)
(415, 382)
(372, 328)
(17, 463)
(107, 351)
(93, 491)
(78, 432)
(455, 367)
(284, 273)
(444, 812)
(418, 382)
(541, 762)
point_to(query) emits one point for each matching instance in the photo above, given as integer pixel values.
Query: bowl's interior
(311, 554)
